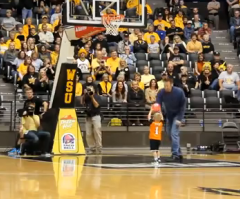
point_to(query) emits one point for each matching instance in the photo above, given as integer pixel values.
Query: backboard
(89, 13)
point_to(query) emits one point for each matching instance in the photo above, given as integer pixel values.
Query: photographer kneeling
(93, 120)
(34, 139)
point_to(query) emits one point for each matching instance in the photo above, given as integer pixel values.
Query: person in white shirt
(55, 16)
(45, 36)
(146, 77)
(83, 63)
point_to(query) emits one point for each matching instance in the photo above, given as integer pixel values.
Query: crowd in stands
(130, 67)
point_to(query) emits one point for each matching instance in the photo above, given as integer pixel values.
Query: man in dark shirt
(172, 74)
(103, 42)
(33, 34)
(207, 45)
(140, 46)
(173, 30)
(37, 101)
(176, 59)
(217, 58)
(92, 102)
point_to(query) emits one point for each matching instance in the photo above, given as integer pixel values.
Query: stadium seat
(212, 103)
(140, 56)
(141, 63)
(184, 56)
(158, 76)
(208, 57)
(164, 57)
(130, 13)
(223, 93)
(193, 57)
(155, 63)
(153, 56)
(188, 64)
(140, 68)
(196, 93)
(104, 102)
(196, 103)
(157, 69)
(210, 93)
(132, 69)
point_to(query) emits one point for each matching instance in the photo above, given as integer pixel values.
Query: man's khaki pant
(94, 133)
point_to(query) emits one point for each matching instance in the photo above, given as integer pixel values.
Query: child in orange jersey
(155, 134)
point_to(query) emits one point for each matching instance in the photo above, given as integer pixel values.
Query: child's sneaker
(159, 160)
(12, 152)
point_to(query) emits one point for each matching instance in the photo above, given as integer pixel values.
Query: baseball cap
(126, 35)
(164, 73)
(176, 47)
(189, 22)
(44, 16)
(160, 15)
(216, 53)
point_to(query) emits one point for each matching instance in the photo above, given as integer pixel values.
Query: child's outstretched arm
(150, 114)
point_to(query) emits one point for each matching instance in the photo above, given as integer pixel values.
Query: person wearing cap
(194, 46)
(83, 63)
(161, 82)
(123, 43)
(213, 15)
(150, 33)
(45, 22)
(176, 59)
(216, 58)
(160, 21)
(161, 32)
(205, 30)
(153, 47)
(207, 45)
(188, 30)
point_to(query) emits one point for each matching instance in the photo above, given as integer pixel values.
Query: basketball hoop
(111, 23)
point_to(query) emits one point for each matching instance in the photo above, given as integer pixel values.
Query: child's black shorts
(154, 145)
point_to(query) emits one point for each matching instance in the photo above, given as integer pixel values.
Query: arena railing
(6, 116)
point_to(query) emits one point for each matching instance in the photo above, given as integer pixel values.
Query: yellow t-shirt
(29, 121)
(95, 63)
(163, 23)
(147, 36)
(132, 3)
(78, 91)
(113, 64)
(139, 10)
(50, 27)
(141, 85)
(54, 57)
(160, 85)
(179, 22)
(26, 29)
(16, 42)
(22, 69)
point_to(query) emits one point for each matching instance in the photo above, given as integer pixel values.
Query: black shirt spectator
(123, 69)
(33, 34)
(185, 85)
(140, 46)
(48, 68)
(100, 39)
(176, 59)
(173, 30)
(172, 74)
(205, 78)
(30, 79)
(135, 94)
(91, 110)
(207, 45)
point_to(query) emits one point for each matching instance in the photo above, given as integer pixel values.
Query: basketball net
(112, 22)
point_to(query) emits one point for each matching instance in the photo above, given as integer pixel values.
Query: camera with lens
(89, 91)
(30, 110)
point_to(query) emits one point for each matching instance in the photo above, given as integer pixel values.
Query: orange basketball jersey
(156, 131)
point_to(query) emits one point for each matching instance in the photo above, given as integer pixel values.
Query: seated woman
(123, 69)
(43, 53)
(136, 98)
(30, 79)
(205, 78)
(105, 87)
(146, 77)
(120, 78)
(17, 62)
(43, 82)
(151, 93)
(199, 64)
(23, 68)
(137, 78)
(177, 41)
(102, 69)
(166, 47)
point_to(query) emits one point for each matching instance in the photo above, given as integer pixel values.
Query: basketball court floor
(120, 176)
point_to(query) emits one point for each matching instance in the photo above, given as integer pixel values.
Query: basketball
(156, 107)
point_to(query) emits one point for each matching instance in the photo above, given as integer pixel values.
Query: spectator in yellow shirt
(194, 46)
(99, 58)
(27, 27)
(78, 90)
(113, 62)
(22, 69)
(45, 22)
(137, 78)
(15, 41)
(20, 34)
(134, 36)
(132, 4)
(54, 55)
(179, 20)
(139, 10)
(160, 21)
(148, 34)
